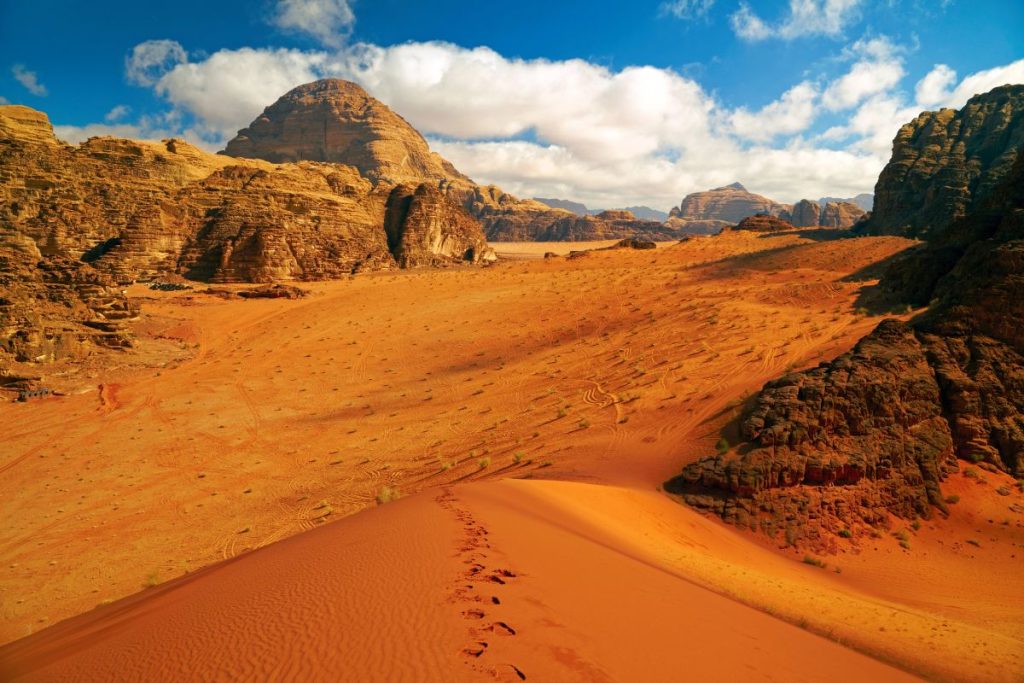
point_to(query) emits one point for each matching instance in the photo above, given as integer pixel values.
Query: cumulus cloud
(687, 9)
(150, 60)
(575, 129)
(979, 82)
(29, 80)
(793, 113)
(878, 69)
(327, 21)
(805, 18)
(934, 88)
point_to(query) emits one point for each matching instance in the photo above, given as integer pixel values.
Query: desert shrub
(484, 463)
(387, 494)
(808, 559)
(845, 533)
(953, 499)
(722, 446)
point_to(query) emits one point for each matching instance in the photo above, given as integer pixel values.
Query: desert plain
(457, 474)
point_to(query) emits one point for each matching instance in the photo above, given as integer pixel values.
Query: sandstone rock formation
(731, 204)
(945, 162)
(336, 121)
(805, 214)
(54, 308)
(139, 210)
(762, 223)
(874, 432)
(842, 215)
(424, 228)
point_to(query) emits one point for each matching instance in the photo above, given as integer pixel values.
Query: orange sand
(604, 373)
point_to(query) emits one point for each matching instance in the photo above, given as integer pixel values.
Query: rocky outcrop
(141, 210)
(805, 214)
(336, 121)
(731, 204)
(54, 308)
(873, 433)
(840, 215)
(944, 163)
(424, 227)
(763, 223)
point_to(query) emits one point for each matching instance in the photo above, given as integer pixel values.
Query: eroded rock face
(54, 307)
(141, 210)
(874, 432)
(424, 227)
(731, 204)
(945, 162)
(805, 214)
(840, 215)
(336, 121)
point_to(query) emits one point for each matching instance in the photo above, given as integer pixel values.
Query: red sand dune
(528, 412)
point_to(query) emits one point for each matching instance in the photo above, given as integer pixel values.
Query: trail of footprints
(478, 590)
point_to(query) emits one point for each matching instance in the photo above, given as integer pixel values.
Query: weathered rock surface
(945, 162)
(731, 204)
(763, 223)
(874, 432)
(805, 214)
(841, 215)
(139, 210)
(53, 307)
(336, 121)
(424, 227)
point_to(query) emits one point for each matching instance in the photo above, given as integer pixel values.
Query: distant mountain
(568, 205)
(645, 213)
(865, 200)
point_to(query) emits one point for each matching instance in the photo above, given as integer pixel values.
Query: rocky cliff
(944, 163)
(336, 121)
(875, 432)
(75, 221)
(731, 204)
(54, 307)
(137, 210)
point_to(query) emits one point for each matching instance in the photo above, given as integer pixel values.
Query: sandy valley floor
(527, 414)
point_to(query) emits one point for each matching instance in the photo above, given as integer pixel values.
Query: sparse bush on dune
(387, 494)
(484, 463)
(722, 446)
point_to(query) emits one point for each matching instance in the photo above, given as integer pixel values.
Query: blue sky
(614, 103)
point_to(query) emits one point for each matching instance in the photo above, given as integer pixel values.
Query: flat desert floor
(455, 475)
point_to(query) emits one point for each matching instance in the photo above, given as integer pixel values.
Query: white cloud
(29, 80)
(983, 81)
(687, 9)
(4, 100)
(328, 21)
(572, 128)
(805, 18)
(150, 60)
(878, 69)
(793, 113)
(748, 25)
(228, 89)
(117, 113)
(934, 88)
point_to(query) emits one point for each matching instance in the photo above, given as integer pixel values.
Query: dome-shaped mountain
(336, 121)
